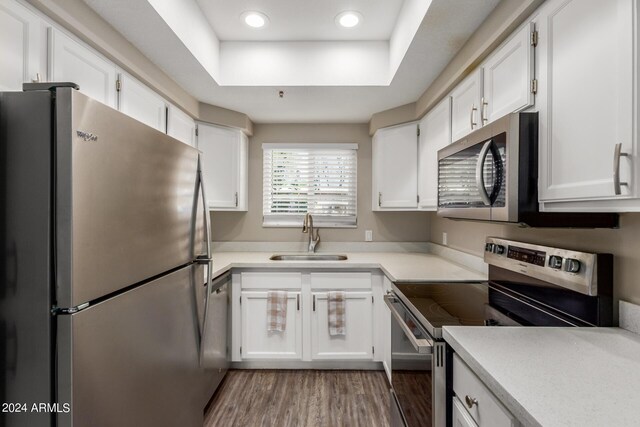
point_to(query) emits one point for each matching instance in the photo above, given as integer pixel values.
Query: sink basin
(308, 257)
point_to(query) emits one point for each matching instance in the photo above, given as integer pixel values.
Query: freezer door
(132, 360)
(126, 198)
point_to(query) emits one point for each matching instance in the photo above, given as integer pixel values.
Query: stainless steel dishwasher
(215, 357)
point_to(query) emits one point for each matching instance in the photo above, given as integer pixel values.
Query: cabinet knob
(470, 401)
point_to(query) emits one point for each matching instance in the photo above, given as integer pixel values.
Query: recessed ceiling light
(255, 19)
(348, 19)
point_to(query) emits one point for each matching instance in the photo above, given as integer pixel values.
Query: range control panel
(570, 269)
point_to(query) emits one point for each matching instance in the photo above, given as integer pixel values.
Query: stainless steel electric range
(529, 285)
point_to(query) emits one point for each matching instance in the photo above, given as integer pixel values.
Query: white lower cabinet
(257, 341)
(461, 417)
(306, 337)
(476, 400)
(357, 343)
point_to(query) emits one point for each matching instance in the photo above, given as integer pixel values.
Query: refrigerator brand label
(87, 136)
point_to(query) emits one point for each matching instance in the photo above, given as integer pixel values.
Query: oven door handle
(422, 345)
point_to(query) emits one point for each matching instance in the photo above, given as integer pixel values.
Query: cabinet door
(257, 341)
(23, 43)
(586, 98)
(395, 168)
(224, 163)
(465, 106)
(69, 61)
(460, 416)
(357, 343)
(138, 101)
(181, 126)
(435, 134)
(507, 76)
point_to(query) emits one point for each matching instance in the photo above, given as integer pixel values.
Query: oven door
(411, 368)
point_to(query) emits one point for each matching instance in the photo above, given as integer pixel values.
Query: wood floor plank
(275, 398)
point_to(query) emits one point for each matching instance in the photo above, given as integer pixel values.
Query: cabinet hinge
(196, 130)
(534, 86)
(371, 299)
(118, 85)
(418, 198)
(240, 349)
(373, 350)
(418, 130)
(240, 300)
(534, 38)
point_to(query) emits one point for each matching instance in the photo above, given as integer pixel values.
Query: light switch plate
(368, 235)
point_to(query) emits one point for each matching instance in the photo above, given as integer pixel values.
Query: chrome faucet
(307, 227)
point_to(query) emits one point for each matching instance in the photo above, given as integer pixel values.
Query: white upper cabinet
(23, 41)
(138, 101)
(466, 99)
(435, 134)
(395, 168)
(181, 126)
(587, 101)
(70, 61)
(508, 75)
(224, 164)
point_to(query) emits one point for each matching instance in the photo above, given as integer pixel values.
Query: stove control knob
(488, 247)
(498, 249)
(571, 265)
(555, 261)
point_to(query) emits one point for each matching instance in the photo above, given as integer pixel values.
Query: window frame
(296, 220)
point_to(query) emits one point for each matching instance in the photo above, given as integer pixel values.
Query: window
(317, 178)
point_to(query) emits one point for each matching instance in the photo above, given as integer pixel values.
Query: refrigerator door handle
(206, 259)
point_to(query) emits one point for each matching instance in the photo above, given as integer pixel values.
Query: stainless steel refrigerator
(104, 264)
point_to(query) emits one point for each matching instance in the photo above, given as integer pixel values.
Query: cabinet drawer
(279, 280)
(341, 280)
(488, 411)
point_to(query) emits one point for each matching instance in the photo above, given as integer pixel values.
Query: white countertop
(556, 376)
(397, 266)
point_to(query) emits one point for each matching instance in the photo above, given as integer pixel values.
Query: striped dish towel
(337, 313)
(276, 311)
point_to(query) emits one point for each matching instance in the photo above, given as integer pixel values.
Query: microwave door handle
(482, 158)
(499, 168)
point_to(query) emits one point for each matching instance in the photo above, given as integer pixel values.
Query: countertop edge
(496, 388)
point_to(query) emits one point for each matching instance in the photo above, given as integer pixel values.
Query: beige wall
(623, 243)
(247, 226)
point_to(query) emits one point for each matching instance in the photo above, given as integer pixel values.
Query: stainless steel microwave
(492, 175)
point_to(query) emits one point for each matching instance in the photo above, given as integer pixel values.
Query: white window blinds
(317, 178)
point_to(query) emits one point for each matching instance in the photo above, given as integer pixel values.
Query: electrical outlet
(368, 235)
(444, 239)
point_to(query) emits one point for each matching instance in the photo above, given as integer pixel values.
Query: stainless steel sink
(308, 257)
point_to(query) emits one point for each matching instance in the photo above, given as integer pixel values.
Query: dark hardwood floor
(300, 398)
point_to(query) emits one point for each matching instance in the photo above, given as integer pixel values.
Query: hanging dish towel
(276, 311)
(337, 313)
